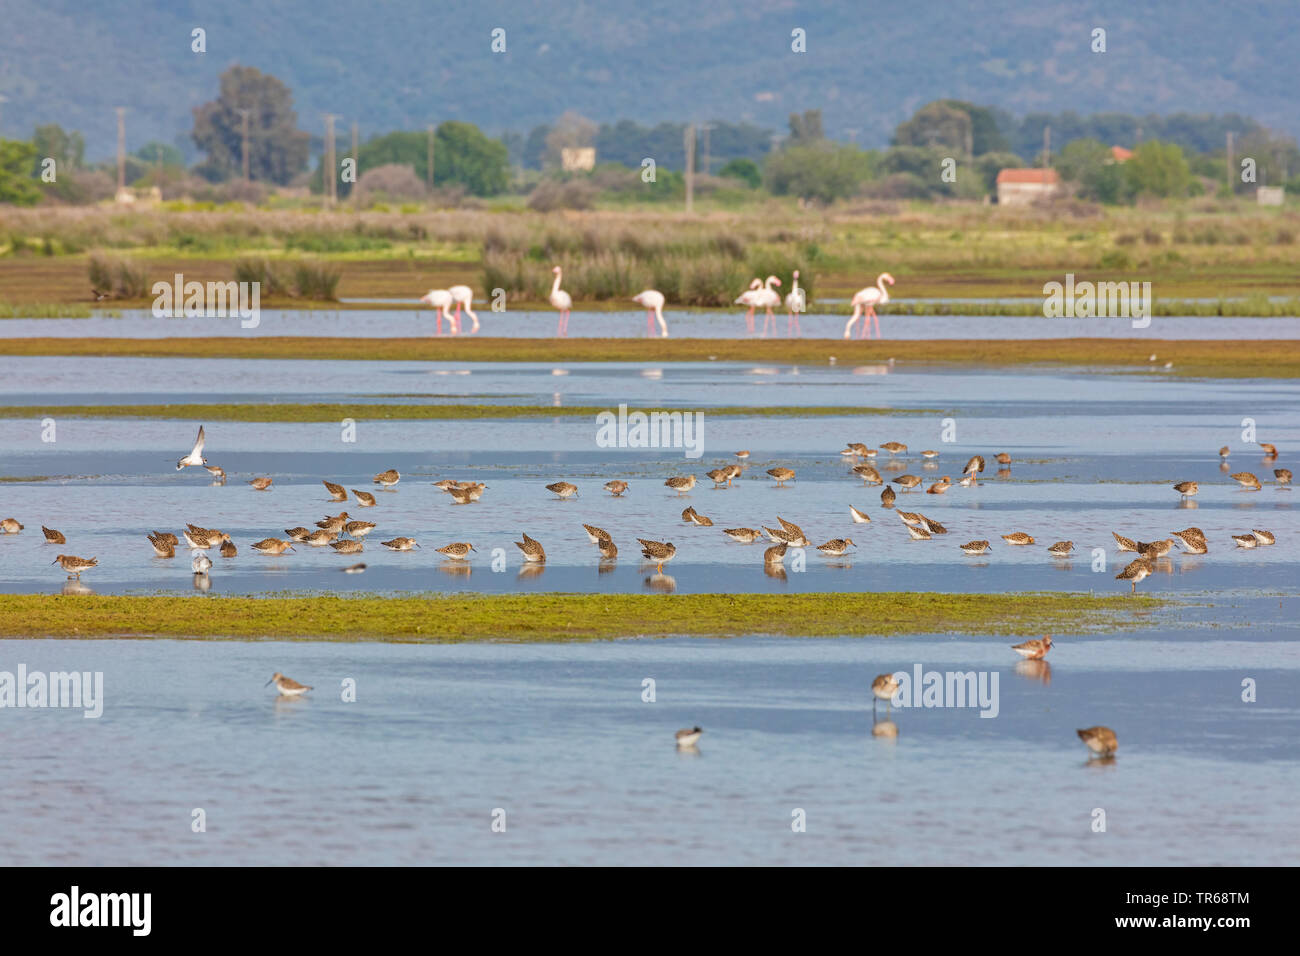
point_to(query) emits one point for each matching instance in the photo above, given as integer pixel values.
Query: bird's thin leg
(749, 321)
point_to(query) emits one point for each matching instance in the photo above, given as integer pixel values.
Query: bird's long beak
(268, 683)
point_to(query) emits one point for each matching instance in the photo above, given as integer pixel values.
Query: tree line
(946, 149)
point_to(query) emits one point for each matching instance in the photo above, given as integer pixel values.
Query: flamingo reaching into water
(749, 298)
(864, 304)
(440, 299)
(654, 309)
(768, 299)
(464, 295)
(562, 301)
(794, 302)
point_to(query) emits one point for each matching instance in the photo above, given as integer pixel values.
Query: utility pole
(690, 167)
(244, 123)
(430, 158)
(1230, 164)
(331, 185)
(355, 171)
(706, 128)
(121, 147)
(1047, 146)
(3, 100)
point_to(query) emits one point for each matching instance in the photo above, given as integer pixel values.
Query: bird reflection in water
(1040, 671)
(661, 582)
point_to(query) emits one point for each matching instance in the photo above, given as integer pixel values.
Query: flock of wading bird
(345, 534)
(761, 294)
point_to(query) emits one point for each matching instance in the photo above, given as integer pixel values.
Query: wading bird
(864, 306)
(653, 303)
(562, 301)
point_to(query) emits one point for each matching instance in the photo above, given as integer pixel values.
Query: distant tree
(822, 171)
(938, 125)
(462, 155)
(745, 170)
(1158, 169)
(535, 147)
(1088, 164)
(17, 185)
(68, 150)
(514, 144)
(571, 131)
(986, 132)
(924, 162)
(1276, 159)
(154, 152)
(806, 128)
(277, 149)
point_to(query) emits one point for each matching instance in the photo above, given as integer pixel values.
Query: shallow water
(558, 737)
(370, 323)
(1091, 455)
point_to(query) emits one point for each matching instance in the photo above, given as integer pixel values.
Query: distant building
(1270, 195)
(581, 159)
(1021, 187)
(1118, 154)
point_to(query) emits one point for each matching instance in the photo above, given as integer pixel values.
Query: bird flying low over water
(195, 457)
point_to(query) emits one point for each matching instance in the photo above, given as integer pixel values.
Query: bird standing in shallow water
(286, 686)
(532, 549)
(1100, 740)
(1034, 650)
(661, 552)
(52, 536)
(1136, 572)
(884, 688)
(74, 565)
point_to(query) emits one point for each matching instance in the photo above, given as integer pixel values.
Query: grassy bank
(1186, 250)
(1224, 359)
(290, 412)
(544, 617)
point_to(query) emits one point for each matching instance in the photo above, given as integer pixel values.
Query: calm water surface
(559, 738)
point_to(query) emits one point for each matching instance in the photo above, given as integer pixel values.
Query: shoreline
(565, 617)
(1209, 358)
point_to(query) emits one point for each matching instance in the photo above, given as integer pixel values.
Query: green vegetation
(545, 617)
(1256, 358)
(290, 412)
(16, 183)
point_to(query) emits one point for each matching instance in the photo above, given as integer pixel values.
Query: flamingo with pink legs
(562, 301)
(749, 298)
(768, 299)
(864, 305)
(795, 303)
(440, 299)
(654, 309)
(464, 295)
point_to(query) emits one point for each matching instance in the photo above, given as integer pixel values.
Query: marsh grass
(118, 276)
(297, 412)
(560, 617)
(1228, 358)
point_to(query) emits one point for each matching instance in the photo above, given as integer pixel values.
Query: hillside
(403, 63)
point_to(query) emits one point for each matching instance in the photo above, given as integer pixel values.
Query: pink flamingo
(864, 304)
(440, 299)
(464, 295)
(749, 298)
(795, 303)
(768, 299)
(654, 309)
(562, 301)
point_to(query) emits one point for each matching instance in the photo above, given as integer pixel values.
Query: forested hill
(868, 65)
